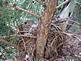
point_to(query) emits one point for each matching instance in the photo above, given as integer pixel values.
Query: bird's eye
(33, 2)
(25, 22)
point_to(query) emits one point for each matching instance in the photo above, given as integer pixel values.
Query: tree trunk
(43, 28)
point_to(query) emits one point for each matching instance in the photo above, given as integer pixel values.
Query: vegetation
(28, 27)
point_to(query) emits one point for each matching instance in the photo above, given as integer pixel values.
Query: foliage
(10, 17)
(6, 50)
(74, 9)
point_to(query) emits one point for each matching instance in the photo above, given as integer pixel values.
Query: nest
(60, 44)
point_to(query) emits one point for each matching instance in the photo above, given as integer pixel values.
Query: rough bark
(43, 28)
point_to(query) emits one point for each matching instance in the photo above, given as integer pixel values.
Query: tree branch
(26, 11)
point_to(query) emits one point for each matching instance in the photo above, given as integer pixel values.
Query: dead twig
(27, 35)
(24, 44)
(72, 35)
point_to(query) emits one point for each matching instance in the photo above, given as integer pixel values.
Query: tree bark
(43, 28)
